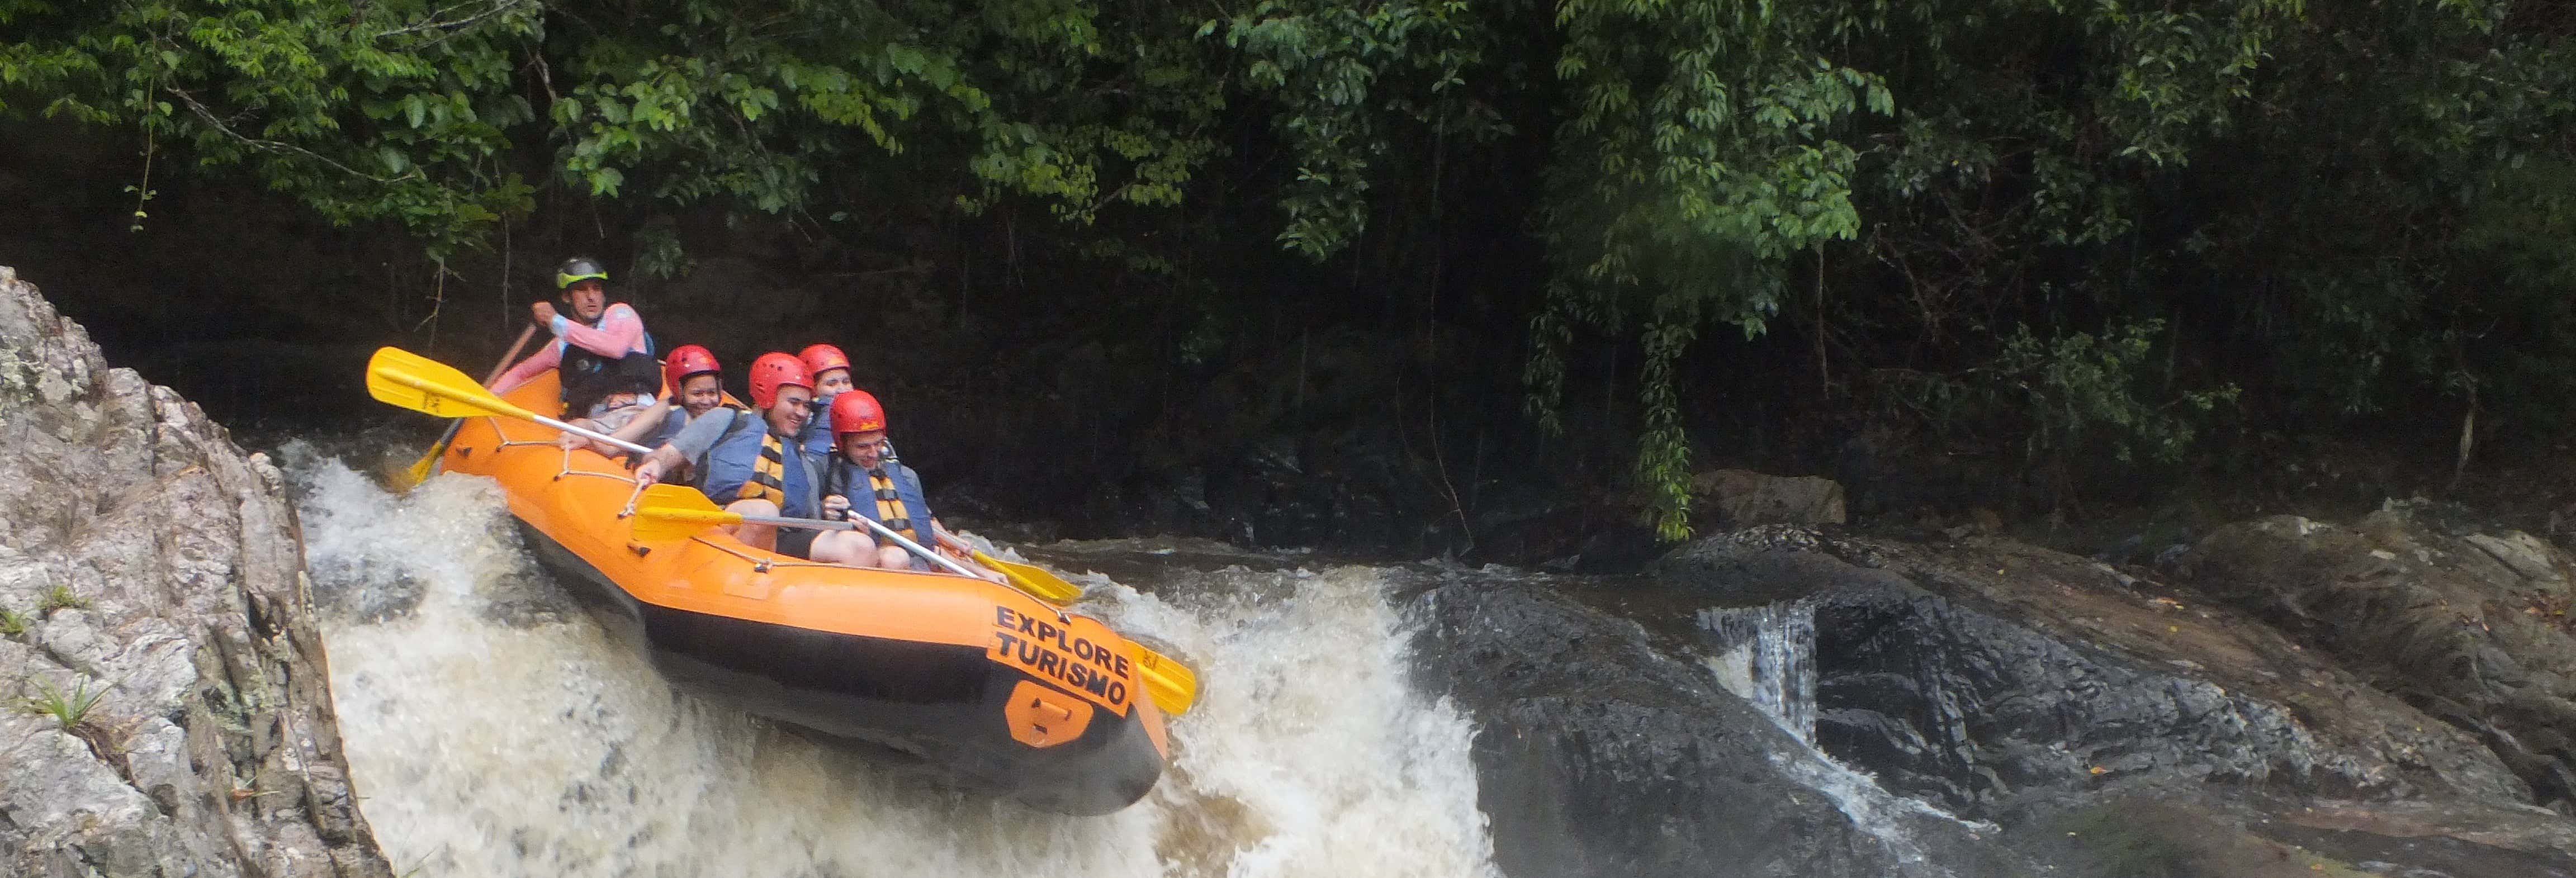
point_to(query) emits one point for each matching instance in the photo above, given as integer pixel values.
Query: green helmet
(578, 269)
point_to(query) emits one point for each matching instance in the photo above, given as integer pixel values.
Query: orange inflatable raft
(1000, 690)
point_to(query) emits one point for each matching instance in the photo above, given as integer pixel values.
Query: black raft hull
(942, 704)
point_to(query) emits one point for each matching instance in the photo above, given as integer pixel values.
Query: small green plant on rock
(68, 708)
(13, 375)
(12, 624)
(61, 597)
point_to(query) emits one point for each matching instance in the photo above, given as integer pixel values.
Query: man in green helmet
(596, 346)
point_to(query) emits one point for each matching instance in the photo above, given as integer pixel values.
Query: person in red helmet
(696, 386)
(886, 491)
(831, 371)
(600, 347)
(695, 379)
(751, 461)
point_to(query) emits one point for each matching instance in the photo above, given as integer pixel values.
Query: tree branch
(434, 22)
(265, 145)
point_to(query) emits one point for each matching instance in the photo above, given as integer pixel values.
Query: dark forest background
(1493, 278)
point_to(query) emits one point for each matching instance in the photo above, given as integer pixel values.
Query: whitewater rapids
(494, 728)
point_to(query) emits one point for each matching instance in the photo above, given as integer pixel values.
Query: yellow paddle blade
(1033, 579)
(422, 384)
(427, 465)
(677, 497)
(1172, 685)
(419, 470)
(670, 512)
(664, 525)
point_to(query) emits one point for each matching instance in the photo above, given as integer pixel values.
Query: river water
(495, 728)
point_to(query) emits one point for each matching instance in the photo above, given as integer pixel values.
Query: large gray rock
(1985, 672)
(1744, 498)
(2464, 626)
(1603, 750)
(2051, 694)
(146, 561)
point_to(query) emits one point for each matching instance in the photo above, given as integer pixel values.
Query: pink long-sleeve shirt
(620, 332)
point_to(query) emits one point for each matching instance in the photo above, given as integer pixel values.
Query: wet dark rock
(2019, 685)
(1980, 672)
(2205, 834)
(2460, 840)
(2390, 855)
(2102, 723)
(1968, 709)
(1602, 751)
(2468, 627)
(146, 560)
(1762, 565)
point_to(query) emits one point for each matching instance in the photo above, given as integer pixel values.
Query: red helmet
(820, 358)
(685, 361)
(775, 370)
(856, 411)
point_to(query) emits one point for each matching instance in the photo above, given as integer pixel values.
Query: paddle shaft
(853, 524)
(592, 435)
(496, 405)
(1017, 575)
(525, 332)
(440, 447)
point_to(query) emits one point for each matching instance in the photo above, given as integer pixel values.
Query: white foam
(500, 744)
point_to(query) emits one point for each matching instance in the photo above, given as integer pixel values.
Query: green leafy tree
(2091, 224)
(437, 115)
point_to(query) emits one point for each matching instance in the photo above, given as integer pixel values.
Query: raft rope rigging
(758, 564)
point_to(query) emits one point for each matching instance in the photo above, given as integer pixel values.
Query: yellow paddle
(425, 385)
(669, 512)
(1027, 577)
(421, 469)
(1174, 686)
(1171, 682)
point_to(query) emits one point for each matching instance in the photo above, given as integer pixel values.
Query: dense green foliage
(2077, 229)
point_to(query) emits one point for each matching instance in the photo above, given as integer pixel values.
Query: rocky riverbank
(1796, 696)
(2284, 697)
(169, 710)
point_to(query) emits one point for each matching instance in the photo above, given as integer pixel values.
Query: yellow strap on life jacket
(768, 474)
(890, 506)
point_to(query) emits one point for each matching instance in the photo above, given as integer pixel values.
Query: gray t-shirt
(701, 432)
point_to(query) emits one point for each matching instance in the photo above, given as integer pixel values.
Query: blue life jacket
(849, 481)
(728, 464)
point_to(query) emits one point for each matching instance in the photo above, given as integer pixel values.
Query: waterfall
(1767, 656)
(1770, 661)
(494, 728)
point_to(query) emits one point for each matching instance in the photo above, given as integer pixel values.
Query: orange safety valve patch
(1040, 716)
